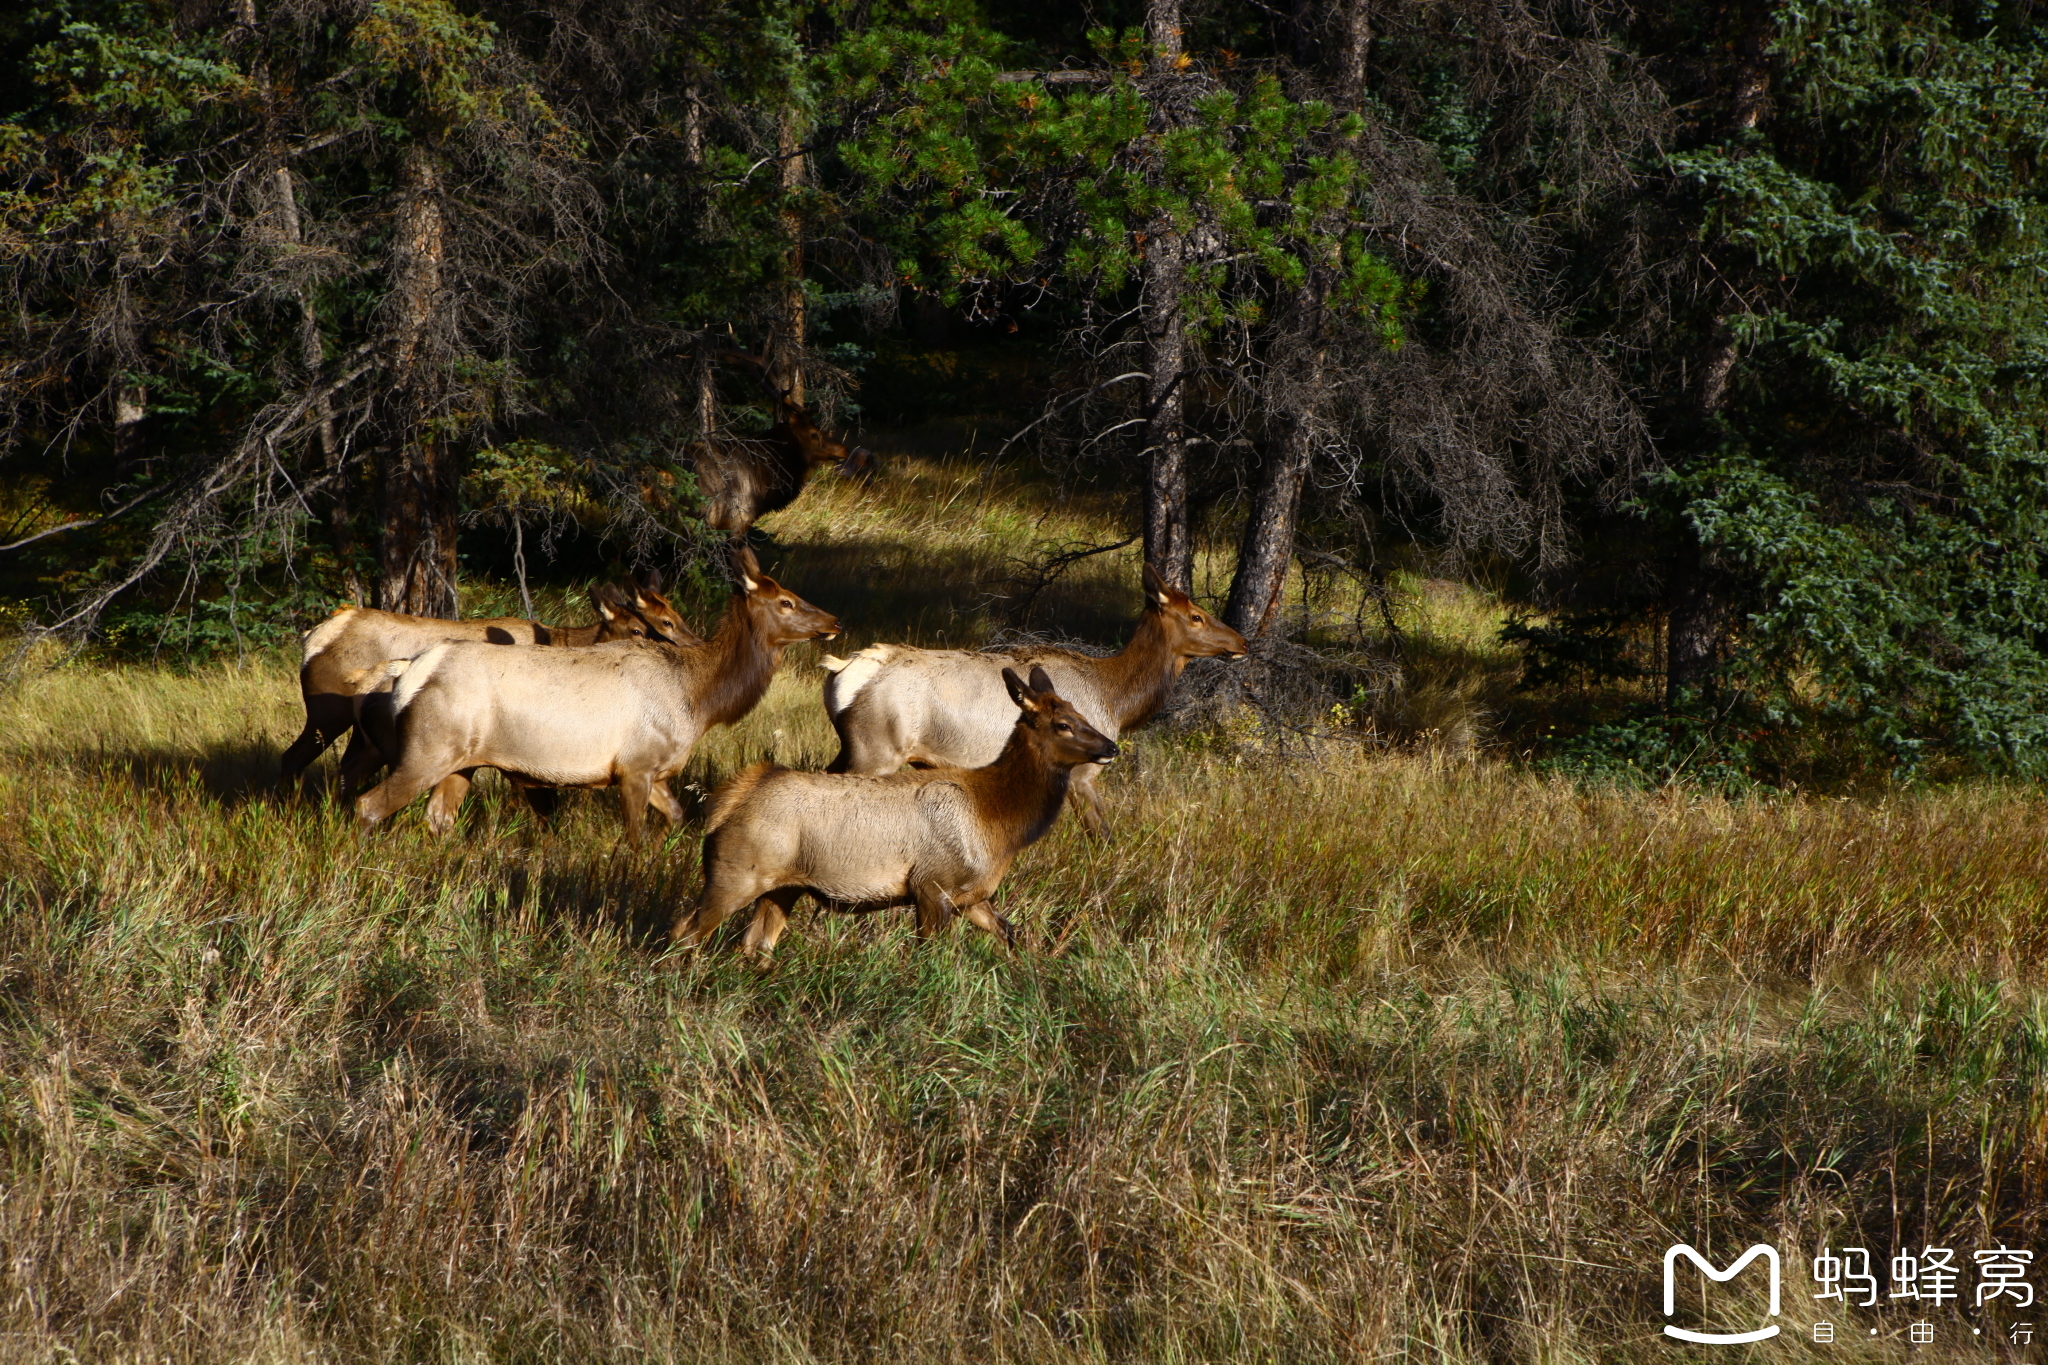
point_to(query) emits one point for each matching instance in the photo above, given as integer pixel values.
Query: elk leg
(636, 789)
(447, 800)
(982, 914)
(541, 799)
(771, 917)
(934, 908)
(396, 792)
(311, 743)
(725, 890)
(1087, 801)
(358, 761)
(377, 725)
(664, 800)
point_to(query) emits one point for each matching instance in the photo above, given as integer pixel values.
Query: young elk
(941, 840)
(346, 658)
(624, 714)
(893, 704)
(744, 480)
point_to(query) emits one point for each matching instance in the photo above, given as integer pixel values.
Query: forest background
(1708, 336)
(1644, 393)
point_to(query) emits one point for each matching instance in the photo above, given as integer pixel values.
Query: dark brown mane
(1011, 785)
(740, 662)
(1144, 671)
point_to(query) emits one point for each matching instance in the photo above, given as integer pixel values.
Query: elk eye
(1064, 728)
(1196, 619)
(788, 605)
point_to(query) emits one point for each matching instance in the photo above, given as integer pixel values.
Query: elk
(626, 713)
(744, 479)
(346, 658)
(893, 704)
(941, 840)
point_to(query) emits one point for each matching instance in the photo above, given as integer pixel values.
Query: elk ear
(748, 567)
(1155, 586)
(1020, 691)
(1040, 683)
(648, 582)
(604, 598)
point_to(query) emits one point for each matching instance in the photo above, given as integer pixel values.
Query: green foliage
(1653, 747)
(1871, 496)
(973, 178)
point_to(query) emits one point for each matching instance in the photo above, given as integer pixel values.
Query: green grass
(1362, 1055)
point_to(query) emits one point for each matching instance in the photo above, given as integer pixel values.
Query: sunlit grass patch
(1333, 1053)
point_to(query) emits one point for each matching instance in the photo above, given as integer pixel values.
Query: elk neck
(1139, 677)
(734, 667)
(566, 635)
(793, 453)
(1020, 794)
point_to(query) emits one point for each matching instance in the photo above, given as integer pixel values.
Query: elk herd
(995, 742)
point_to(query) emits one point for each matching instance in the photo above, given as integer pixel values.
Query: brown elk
(893, 704)
(940, 840)
(345, 658)
(743, 479)
(625, 714)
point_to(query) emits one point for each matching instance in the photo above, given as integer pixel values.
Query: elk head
(817, 446)
(1195, 633)
(644, 594)
(616, 619)
(1060, 732)
(781, 617)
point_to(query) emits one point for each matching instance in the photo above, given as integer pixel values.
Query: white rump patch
(326, 633)
(851, 675)
(414, 674)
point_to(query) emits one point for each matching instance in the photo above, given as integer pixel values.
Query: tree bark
(1335, 41)
(1697, 626)
(1354, 47)
(705, 378)
(788, 367)
(1267, 545)
(419, 488)
(131, 409)
(1169, 546)
(312, 359)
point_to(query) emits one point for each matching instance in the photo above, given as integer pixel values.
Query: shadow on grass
(232, 772)
(899, 590)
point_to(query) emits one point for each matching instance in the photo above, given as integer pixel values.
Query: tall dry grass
(1330, 1057)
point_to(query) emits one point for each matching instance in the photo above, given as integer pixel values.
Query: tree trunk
(1696, 628)
(312, 359)
(420, 488)
(131, 409)
(705, 378)
(1333, 40)
(1163, 33)
(1354, 46)
(1268, 542)
(1169, 547)
(788, 371)
(1267, 545)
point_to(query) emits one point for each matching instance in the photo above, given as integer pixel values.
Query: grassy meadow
(1336, 1053)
